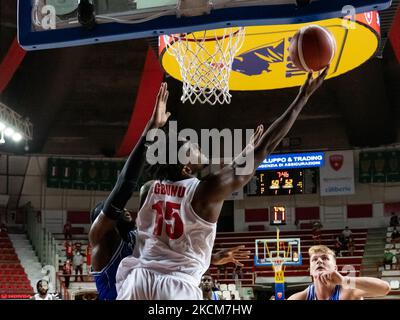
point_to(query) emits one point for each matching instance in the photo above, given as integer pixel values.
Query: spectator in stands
(78, 246)
(394, 220)
(389, 259)
(347, 233)
(68, 230)
(329, 284)
(316, 232)
(350, 246)
(88, 256)
(340, 244)
(222, 269)
(42, 287)
(207, 285)
(395, 235)
(67, 271)
(237, 272)
(78, 265)
(69, 250)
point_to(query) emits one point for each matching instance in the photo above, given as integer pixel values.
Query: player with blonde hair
(329, 284)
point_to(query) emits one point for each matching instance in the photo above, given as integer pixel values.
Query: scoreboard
(277, 216)
(284, 182)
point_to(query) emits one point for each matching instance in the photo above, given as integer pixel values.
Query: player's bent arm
(302, 295)
(366, 287)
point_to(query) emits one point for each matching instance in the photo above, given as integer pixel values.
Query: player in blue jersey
(329, 284)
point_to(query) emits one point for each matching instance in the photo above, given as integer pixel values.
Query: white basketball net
(206, 70)
(277, 263)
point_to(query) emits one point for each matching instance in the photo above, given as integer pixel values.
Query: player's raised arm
(217, 187)
(115, 203)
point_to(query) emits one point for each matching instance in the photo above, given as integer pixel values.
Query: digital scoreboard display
(284, 182)
(277, 216)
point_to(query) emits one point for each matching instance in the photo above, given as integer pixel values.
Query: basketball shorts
(144, 284)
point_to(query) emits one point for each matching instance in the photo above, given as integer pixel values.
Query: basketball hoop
(205, 59)
(277, 263)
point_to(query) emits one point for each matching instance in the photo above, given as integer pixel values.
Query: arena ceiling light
(13, 126)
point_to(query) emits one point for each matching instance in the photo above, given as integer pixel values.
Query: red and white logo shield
(336, 161)
(279, 295)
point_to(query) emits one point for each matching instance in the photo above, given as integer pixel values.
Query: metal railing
(42, 241)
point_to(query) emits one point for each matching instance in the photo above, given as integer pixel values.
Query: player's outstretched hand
(254, 139)
(160, 116)
(235, 254)
(311, 84)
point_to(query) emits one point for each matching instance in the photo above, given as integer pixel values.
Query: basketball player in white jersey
(177, 222)
(329, 284)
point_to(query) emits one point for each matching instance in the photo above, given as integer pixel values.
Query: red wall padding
(394, 34)
(307, 213)
(256, 227)
(150, 82)
(78, 217)
(359, 211)
(391, 207)
(10, 63)
(255, 215)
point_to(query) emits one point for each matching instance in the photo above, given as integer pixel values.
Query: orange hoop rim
(178, 38)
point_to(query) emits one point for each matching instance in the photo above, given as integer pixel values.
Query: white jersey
(48, 296)
(172, 239)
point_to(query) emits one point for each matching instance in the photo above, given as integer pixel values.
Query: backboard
(284, 250)
(44, 24)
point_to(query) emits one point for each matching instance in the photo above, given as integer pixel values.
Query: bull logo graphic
(256, 61)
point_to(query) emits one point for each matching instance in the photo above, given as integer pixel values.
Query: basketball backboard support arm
(160, 20)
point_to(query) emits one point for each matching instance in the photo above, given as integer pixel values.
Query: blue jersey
(105, 279)
(214, 296)
(312, 296)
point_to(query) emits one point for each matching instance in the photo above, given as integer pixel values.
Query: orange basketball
(312, 48)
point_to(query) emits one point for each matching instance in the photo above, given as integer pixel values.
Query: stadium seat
(231, 287)
(236, 294)
(394, 284)
(226, 295)
(223, 287)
